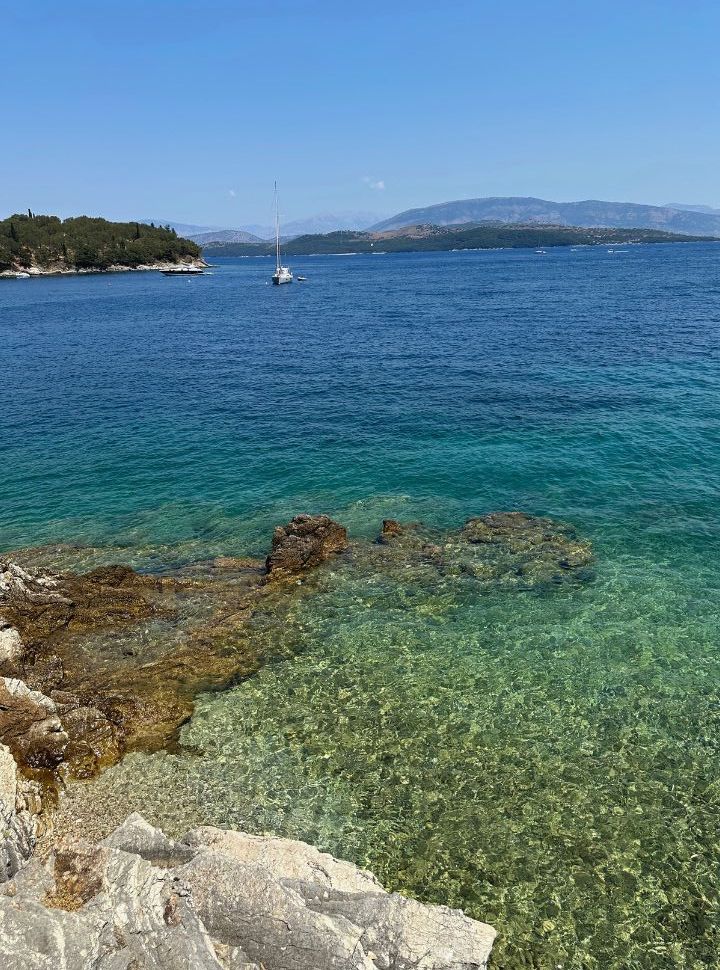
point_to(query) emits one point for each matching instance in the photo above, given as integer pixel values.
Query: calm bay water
(548, 762)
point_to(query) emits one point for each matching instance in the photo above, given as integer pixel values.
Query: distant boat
(22, 276)
(282, 273)
(302, 279)
(184, 270)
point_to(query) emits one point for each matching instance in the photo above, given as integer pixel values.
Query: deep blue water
(579, 383)
(550, 763)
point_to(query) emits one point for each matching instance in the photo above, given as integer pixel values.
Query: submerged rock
(390, 527)
(306, 541)
(503, 550)
(51, 686)
(536, 549)
(218, 899)
(111, 660)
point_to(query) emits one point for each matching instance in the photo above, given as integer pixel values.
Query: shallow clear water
(547, 760)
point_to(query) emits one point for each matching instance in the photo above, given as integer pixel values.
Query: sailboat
(282, 273)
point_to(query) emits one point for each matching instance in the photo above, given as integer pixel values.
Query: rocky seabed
(85, 678)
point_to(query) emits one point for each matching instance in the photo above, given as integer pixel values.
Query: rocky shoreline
(62, 270)
(218, 900)
(98, 663)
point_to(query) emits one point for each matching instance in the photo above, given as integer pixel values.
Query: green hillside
(83, 243)
(428, 237)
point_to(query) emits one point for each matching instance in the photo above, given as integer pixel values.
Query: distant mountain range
(687, 220)
(323, 223)
(224, 236)
(185, 229)
(202, 235)
(485, 235)
(312, 225)
(692, 208)
(674, 217)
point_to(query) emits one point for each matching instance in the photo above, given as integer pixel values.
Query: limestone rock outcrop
(20, 807)
(218, 900)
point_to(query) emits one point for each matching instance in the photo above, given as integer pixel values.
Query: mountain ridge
(583, 214)
(426, 238)
(319, 223)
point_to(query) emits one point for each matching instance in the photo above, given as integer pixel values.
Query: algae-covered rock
(504, 551)
(122, 656)
(535, 549)
(41, 605)
(305, 542)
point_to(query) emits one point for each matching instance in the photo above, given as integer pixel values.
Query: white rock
(10, 643)
(18, 825)
(219, 900)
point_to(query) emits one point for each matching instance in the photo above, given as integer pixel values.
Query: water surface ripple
(548, 760)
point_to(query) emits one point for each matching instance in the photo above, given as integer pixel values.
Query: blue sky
(188, 111)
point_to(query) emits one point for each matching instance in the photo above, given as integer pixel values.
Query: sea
(546, 759)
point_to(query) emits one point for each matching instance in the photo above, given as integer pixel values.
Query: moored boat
(184, 270)
(282, 273)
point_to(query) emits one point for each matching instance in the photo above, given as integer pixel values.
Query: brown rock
(235, 562)
(30, 726)
(305, 542)
(391, 527)
(41, 605)
(78, 871)
(115, 576)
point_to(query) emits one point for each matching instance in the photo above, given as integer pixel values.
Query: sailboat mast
(277, 230)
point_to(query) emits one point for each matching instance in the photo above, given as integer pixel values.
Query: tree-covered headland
(84, 243)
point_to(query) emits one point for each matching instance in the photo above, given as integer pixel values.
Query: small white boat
(22, 276)
(301, 279)
(282, 273)
(184, 270)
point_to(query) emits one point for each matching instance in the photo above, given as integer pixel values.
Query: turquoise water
(546, 758)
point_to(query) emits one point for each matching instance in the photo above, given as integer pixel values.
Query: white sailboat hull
(282, 273)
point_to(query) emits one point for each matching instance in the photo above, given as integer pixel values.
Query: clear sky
(188, 111)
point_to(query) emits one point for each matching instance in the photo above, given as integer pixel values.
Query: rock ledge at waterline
(220, 900)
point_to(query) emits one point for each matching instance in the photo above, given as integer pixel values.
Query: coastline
(32, 272)
(66, 716)
(539, 707)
